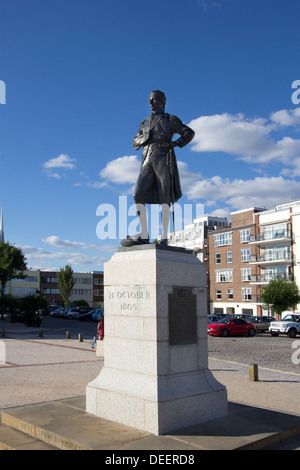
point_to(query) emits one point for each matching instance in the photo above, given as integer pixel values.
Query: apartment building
(49, 288)
(277, 239)
(20, 288)
(295, 216)
(195, 236)
(260, 246)
(230, 269)
(87, 286)
(98, 289)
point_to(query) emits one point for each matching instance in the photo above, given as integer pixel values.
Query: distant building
(49, 288)
(20, 288)
(98, 289)
(230, 271)
(261, 245)
(195, 236)
(87, 286)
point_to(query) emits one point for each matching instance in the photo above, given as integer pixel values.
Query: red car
(231, 326)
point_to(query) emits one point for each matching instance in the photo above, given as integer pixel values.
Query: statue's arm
(186, 133)
(142, 136)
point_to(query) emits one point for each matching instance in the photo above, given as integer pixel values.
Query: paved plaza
(42, 368)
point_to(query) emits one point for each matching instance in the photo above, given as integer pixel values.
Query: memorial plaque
(182, 317)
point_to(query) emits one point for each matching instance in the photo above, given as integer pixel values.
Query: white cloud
(240, 193)
(209, 4)
(123, 170)
(56, 241)
(63, 161)
(42, 256)
(250, 140)
(233, 134)
(286, 117)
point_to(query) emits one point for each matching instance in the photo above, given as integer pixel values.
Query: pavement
(46, 410)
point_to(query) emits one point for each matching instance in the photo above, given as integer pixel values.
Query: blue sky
(77, 77)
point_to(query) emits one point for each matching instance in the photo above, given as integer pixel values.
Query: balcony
(266, 278)
(271, 237)
(272, 258)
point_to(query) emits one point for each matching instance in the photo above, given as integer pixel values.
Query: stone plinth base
(155, 375)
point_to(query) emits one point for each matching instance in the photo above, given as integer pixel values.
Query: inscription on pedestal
(182, 317)
(127, 299)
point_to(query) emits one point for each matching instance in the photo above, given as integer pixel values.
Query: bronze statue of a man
(158, 181)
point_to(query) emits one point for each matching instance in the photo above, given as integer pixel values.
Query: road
(270, 352)
(52, 367)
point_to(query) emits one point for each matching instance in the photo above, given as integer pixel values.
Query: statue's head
(157, 100)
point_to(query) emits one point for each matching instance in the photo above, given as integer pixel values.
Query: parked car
(86, 316)
(289, 325)
(261, 322)
(59, 312)
(230, 327)
(98, 314)
(72, 313)
(214, 318)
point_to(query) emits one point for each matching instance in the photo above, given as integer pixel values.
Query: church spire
(1, 225)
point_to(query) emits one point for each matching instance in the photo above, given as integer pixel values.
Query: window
(245, 236)
(229, 256)
(98, 292)
(246, 255)
(223, 239)
(82, 280)
(246, 293)
(217, 258)
(224, 275)
(98, 281)
(246, 274)
(218, 294)
(230, 294)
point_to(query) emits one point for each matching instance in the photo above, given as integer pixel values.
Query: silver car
(261, 322)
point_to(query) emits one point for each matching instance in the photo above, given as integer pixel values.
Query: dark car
(86, 316)
(261, 322)
(213, 318)
(231, 327)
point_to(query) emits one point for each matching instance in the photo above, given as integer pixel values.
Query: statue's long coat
(154, 131)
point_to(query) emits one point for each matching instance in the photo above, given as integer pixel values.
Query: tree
(65, 283)
(12, 266)
(281, 295)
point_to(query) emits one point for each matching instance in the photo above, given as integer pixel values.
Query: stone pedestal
(155, 375)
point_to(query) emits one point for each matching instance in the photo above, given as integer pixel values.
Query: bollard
(41, 334)
(3, 333)
(68, 334)
(80, 338)
(253, 372)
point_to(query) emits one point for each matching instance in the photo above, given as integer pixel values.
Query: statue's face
(155, 102)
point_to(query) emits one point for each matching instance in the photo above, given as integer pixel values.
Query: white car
(73, 313)
(289, 325)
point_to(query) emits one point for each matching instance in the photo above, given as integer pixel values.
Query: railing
(271, 277)
(271, 235)
(275, 256)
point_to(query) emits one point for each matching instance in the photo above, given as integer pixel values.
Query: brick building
(230, 269)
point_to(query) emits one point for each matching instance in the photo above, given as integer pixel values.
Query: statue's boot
(134, 240)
